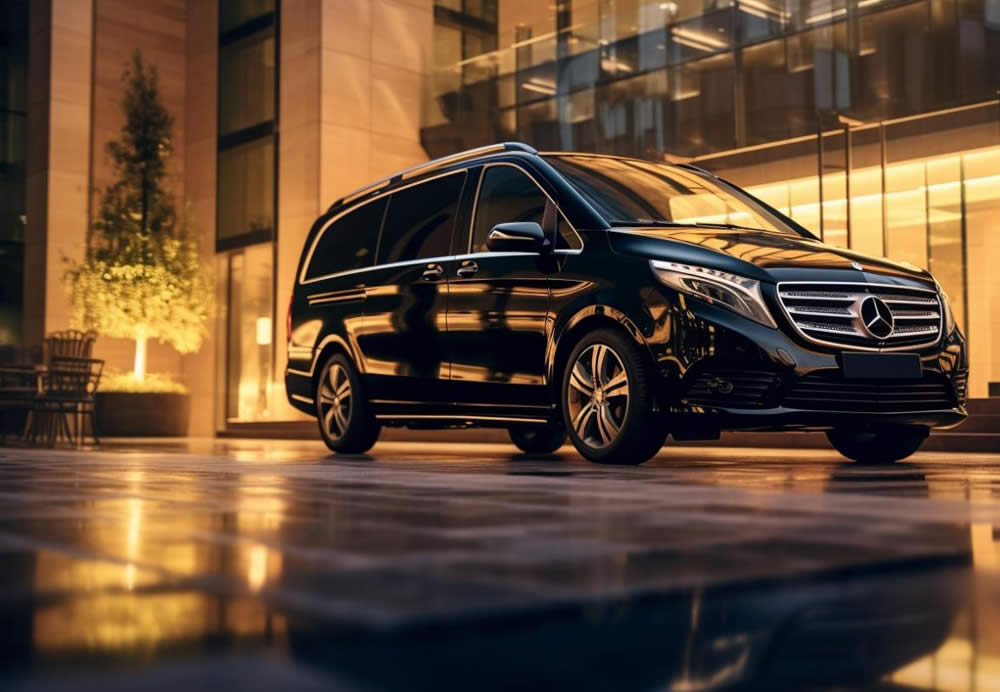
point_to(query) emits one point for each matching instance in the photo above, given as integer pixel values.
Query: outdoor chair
(21, 380)
(67, 395)
(18, 389)
(71, 343)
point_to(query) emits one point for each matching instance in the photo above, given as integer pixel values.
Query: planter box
(147, 414)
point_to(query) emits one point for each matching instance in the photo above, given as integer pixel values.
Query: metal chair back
(71, 343)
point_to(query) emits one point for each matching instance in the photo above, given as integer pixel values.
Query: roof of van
(420, 168)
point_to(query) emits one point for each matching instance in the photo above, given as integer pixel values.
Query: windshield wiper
(730, 226)
(648, 222)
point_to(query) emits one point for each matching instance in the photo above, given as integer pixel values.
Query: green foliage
(151, 383)
(142, 275)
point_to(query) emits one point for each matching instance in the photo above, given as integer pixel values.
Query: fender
(349, 348)
(561, 328)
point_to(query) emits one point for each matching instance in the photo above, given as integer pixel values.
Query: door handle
(432, 273)
(468, 269)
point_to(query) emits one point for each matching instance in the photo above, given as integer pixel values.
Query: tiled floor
(270, 565)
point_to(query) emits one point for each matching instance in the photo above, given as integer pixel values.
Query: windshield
(634, 192)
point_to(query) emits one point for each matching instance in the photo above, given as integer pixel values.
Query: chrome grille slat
(906, 301)
(829, 313)
(818, 295)
(822, 311)
(916, 316)
(829, 328)
(901, 332)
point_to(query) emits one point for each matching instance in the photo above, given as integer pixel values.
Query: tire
(538, 439)
(881, 445)
(623, 425)
(354, 429)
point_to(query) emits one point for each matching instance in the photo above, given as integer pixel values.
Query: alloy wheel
(335, 401)
(598, 395)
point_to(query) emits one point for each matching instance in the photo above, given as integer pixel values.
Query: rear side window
(348, 243)
(420, 220)
(508, 194)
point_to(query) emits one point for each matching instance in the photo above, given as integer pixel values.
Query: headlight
(737, 293)
(949, 316)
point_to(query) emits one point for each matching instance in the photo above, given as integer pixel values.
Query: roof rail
(697, 169)
(431, 165)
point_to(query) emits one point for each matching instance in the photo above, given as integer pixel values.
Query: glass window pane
(636, 191)
(566, 238)
(349, 243)
(506, 195)
(233, 13)
(246, 82)
(420, 220)
(246, 188)
(250, 332)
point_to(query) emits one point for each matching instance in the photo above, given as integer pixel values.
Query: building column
(198, 370)
(60, 47)
(353, 83)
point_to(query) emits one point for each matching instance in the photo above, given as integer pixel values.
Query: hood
(758, 254)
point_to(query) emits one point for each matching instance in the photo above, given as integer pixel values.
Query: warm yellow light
(264, 331)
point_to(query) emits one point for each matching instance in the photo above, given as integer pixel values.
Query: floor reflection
(468, 567)
(817, 634)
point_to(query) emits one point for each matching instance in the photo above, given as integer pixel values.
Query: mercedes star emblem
(857, 265)
(876, 317)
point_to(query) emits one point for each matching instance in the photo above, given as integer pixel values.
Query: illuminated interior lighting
(763, 10)
(613, 65)
(539, 88)
(698, 40)
(545, 37)
(824, 16)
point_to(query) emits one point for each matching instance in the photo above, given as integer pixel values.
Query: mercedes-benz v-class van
(612, 300)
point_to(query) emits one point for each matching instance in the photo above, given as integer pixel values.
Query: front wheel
(345, 418)
(608, 400)
(881, 445)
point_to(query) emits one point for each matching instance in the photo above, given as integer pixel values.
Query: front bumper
(724, 372)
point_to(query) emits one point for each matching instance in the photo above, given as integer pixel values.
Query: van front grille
(861, 315)
(830, 391)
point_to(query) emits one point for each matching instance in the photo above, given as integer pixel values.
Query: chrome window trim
(532, 178)
(855, 347)
(305, 265)
(432, 260)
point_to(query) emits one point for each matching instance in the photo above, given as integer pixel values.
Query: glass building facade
(13, 150)
(875, 123)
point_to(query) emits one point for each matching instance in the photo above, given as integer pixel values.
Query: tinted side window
(349, 243)
(420, 220)
(506, 194)
(566, 238)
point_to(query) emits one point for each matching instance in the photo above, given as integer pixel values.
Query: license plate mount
(880, 366)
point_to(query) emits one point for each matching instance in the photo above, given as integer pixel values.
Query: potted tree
(141, 277)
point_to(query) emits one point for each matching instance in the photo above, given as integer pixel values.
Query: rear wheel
(538, 439)
(881, 445)
(346, 422)
(608, 400)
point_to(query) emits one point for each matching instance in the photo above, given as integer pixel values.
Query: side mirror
(518, 236)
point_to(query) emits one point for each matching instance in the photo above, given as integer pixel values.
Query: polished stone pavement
(271, 565)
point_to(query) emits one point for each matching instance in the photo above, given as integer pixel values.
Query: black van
(615, 300)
